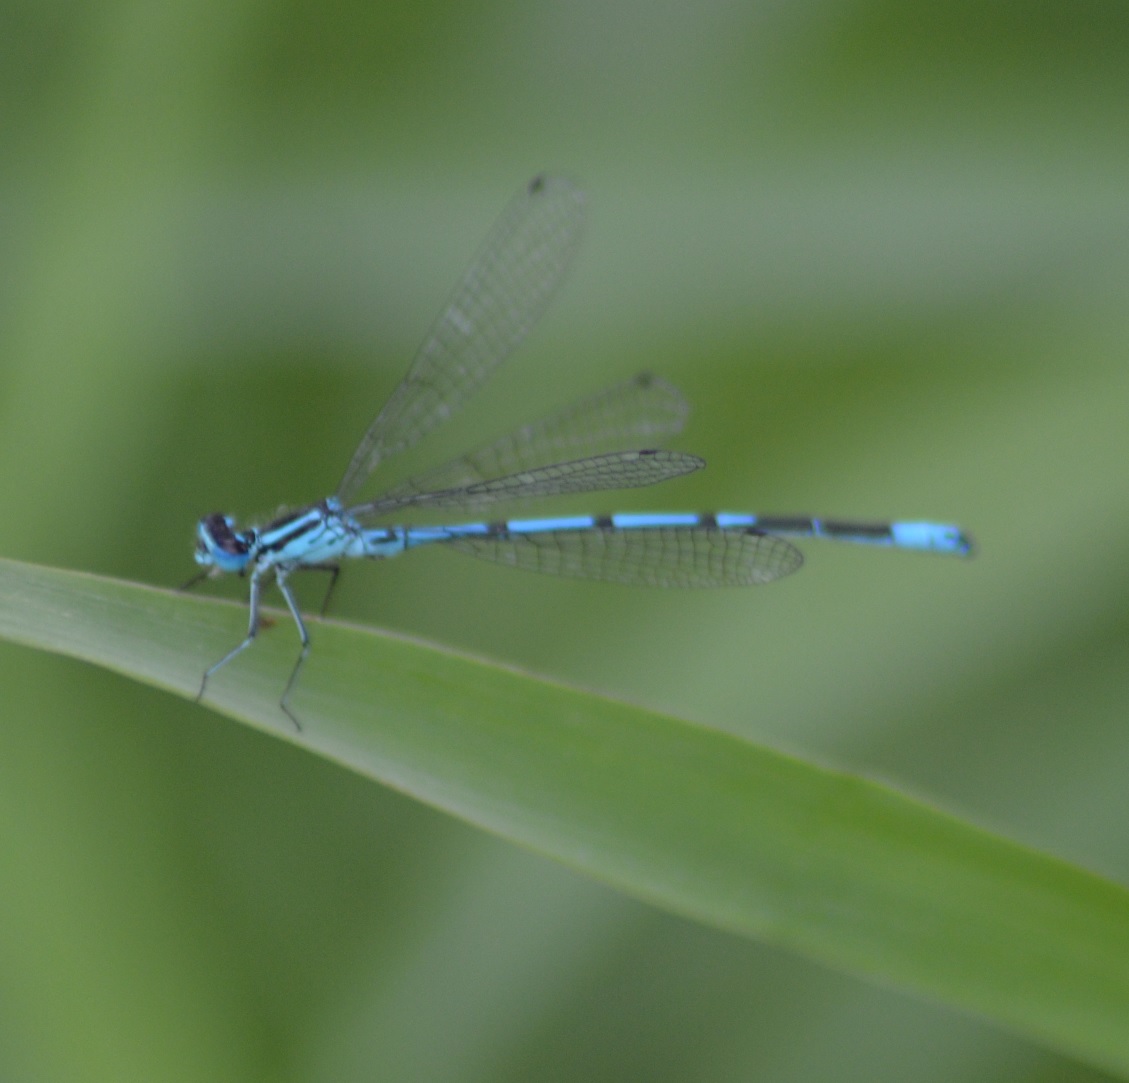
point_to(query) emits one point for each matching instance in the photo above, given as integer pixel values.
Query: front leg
(303, 635)
(252, 631)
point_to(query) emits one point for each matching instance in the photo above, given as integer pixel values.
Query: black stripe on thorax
(305, 521)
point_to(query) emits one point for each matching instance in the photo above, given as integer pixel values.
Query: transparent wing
(658, 557)
(501, 296)
(619, 470)
(644, 410)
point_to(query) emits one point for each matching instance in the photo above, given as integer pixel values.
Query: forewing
(499, 299)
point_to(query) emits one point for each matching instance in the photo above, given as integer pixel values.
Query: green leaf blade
(696, 821)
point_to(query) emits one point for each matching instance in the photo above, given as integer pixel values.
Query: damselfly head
(219, 546)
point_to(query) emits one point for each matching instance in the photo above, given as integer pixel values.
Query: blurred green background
(881, 246)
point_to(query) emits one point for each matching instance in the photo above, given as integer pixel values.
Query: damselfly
(600, 443)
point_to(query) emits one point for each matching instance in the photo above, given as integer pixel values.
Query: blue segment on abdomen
(641, 521)
(936, 537)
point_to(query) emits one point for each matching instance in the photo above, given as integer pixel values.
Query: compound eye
(217, 533)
